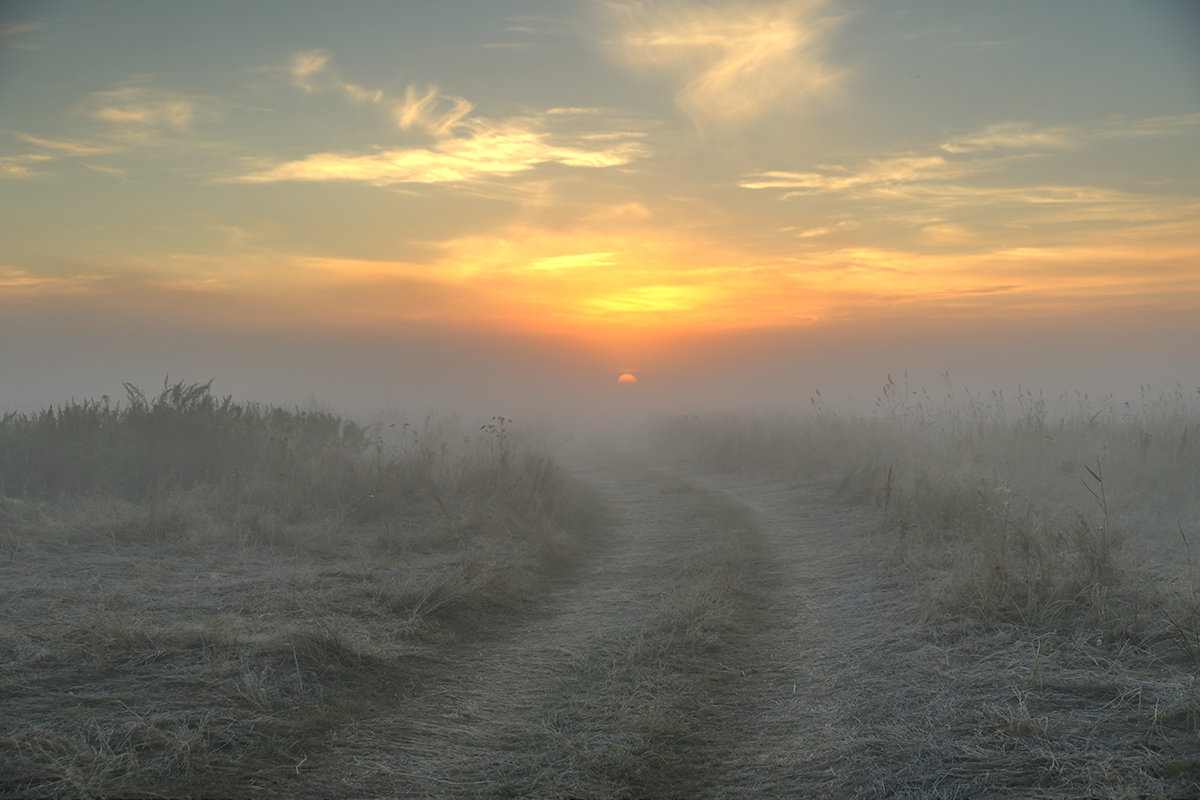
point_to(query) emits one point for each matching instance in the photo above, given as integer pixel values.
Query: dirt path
(850, 699)
(726, 643)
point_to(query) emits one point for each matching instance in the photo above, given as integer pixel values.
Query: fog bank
(51, 358)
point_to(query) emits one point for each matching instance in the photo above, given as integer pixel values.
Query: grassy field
(1036, 512)
(196, 589)
(951, 595)
(1048, 547)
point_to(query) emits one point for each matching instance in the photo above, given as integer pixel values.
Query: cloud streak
(1010, 136)
(466, 147)
(874, 174)
(22, 167)
(13, 35)
(949, 178)
(1023, 136)
(140, 114)
(68, 147)
(502, 150)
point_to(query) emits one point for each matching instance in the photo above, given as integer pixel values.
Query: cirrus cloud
(502, 150)
(464, 148)
(1010, 136)
(731, 63)
(875, 174)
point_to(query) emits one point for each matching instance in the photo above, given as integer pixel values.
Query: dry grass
(1046, 551)
(189, 633)
(1017, 613)
(1027, 514)
(619, 689)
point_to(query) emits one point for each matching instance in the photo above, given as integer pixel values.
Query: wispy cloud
(123, 118)
(141, 114)
(731, 63)
(1031, 275)
(502, 150)
(573, 110)
(115, 172)
(25, 166)
(936, 179)
(572, 261)
(947, 233)
(874, 174)
(19, 282)
(508, 46)
(428, 109)
(21, 167)
(1150, 127)
(822, 230)
(306, 65)
(521, 32)
(310, 71)
(17, 28)
(1002, 196)
(14, 281)
(466, 147)
(423, 108)
(68, 147)
(1010, 136)
(1024, 136)
(13, 35)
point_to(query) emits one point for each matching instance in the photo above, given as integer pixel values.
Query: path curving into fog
(726, 641)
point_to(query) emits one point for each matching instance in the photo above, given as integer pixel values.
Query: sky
(506, 205)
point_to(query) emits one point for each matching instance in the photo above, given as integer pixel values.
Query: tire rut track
(593, 695)
(843, 681)
(717, 647)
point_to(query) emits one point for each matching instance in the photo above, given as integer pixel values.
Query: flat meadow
(200, 591)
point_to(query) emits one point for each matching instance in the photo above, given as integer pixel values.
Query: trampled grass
(196, 589)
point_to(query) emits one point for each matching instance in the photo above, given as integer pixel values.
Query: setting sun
(627, 378)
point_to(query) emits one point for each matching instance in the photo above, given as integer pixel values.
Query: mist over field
(52, 358)
(210, 595)
(460, 564)
(600, 398)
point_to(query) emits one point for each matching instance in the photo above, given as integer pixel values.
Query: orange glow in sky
(624, 175)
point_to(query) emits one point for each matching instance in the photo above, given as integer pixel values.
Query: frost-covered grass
(1048, 548)
(196, 588)
(1029, 510)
